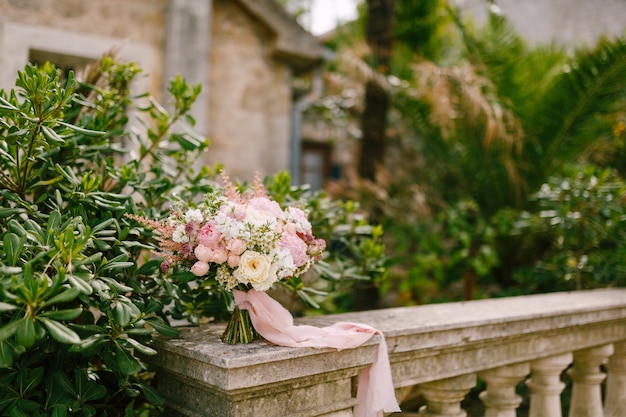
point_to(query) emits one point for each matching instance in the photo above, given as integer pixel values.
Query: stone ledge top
(581, 306)
(423, 327)
(203, 343)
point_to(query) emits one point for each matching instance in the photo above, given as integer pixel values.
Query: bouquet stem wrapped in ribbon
(239, 328)
(375, 394)
(247, 243)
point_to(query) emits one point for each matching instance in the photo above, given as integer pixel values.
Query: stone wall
(245, 66)
(81, 28)
(250, 97)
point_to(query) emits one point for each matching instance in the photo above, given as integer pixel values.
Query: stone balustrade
(438, 350)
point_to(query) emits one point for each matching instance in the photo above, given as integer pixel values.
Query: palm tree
(497, 124)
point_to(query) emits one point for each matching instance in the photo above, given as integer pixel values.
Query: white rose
(256, 269)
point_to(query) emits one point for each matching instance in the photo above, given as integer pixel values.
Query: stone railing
(438, 350)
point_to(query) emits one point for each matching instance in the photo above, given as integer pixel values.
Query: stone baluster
(615, 400)
(545, 385)
(587, 377)
(443, 397)
(499, 398)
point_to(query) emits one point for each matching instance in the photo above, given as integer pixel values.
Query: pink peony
(291, 228)
(209, 235)
(240, 212)
(200, 268)
(267, 207)
(296, 247)
(296, 214)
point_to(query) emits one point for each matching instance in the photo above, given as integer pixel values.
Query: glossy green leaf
(63, 297)
(146, 350)
(162, 327)
(79, 284)
(60, 332)
(51, 136)
(83, 131)
(6, 354)
(68, 314)
(27, 379)
(152, 395)
(121, 314)
(13, 245)
(9, 330)
(59, 410)
(25, 334)
(87, 390)
(89, 343)
(7, 307)
(126, 362)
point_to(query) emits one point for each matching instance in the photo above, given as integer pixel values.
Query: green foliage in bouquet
(81, 296)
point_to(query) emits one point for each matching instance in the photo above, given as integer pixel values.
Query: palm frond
(464, 113)
(581, 103)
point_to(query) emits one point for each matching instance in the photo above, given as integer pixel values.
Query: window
(316, 165)
(65, 63)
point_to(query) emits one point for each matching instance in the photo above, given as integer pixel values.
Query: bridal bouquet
(245, 240)
(247, 243)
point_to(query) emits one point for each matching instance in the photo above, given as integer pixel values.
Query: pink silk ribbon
(271, 320)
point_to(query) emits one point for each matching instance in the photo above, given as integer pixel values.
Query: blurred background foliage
(504, 167)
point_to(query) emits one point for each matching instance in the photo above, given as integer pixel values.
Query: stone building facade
(243, 52)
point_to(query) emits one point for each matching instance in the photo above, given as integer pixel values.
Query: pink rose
(200, 268)
(219, 256)
(233, 260)
(203, 253)
(236, 246)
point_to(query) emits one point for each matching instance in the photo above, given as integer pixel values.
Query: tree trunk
(373, 126)
(379, 32)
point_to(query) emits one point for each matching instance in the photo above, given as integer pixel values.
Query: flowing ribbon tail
(271, 320)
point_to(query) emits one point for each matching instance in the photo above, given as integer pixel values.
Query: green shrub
(579, 222)
(75, 301)
(80, 294)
